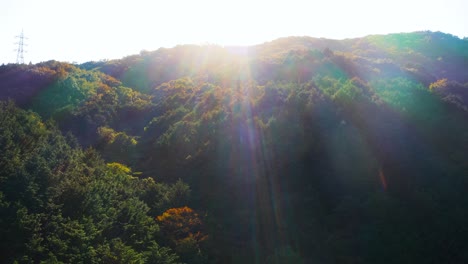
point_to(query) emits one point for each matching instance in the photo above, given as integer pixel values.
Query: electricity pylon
(20, 49)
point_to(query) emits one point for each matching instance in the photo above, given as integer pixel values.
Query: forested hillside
(299, 150)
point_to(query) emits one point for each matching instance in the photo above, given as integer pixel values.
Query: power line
(20, 49)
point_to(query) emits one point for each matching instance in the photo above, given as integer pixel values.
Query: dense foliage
(299, 150)
(61, 204)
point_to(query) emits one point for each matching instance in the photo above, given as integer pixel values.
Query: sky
(84, 30)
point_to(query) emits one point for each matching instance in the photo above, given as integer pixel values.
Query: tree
(184, 230)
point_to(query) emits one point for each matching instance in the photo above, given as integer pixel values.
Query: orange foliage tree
(183, 228)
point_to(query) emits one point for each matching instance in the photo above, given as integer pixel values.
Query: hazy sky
(79, 31)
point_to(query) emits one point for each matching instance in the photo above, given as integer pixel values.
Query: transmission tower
(20, 49)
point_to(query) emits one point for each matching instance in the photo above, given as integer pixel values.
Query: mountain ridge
(299, 150)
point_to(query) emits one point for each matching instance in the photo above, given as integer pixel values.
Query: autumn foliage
(181, 224)
(183, 229)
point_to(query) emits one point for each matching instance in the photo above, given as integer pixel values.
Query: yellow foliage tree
(438, 84)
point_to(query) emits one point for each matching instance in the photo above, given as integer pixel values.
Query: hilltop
(298, 150)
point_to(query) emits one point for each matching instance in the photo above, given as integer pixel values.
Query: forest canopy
(298, 150)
